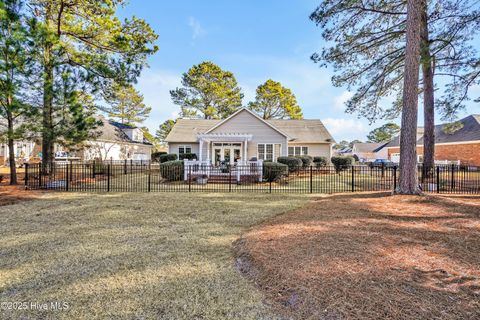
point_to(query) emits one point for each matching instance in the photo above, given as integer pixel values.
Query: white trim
(184, 147)
(274, 156)
(252, 113)
(301, 151)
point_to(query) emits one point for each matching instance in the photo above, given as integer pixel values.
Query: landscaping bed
(369, 256)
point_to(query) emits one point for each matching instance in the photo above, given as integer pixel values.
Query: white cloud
(339, 101)
(346, 129)
(197, 29)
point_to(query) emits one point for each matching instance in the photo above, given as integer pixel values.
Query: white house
(244, 136)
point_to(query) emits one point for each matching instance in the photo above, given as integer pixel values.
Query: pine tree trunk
(408, 182)
(11, 151)
(47, 132)
(428, 99)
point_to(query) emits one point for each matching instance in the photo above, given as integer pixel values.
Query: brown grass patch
(132, 255)
(370, 256)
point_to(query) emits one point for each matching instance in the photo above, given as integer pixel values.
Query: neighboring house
(244, 136)
(346, 151)
(367, 152)
(462, 145)
(22, 149)
(117, 141)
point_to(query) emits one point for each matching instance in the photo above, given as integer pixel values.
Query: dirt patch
(14, 194)
(370, 256)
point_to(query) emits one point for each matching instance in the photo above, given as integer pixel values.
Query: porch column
(208, 151)
(200, 150)
(245, 157)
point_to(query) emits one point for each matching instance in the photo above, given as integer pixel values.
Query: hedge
(273, 171)
(172, 170)
(306, 160)
(156, 155)
(292, 162)
(168, 157)
(320, 161)
(342, 162)
(188, 156)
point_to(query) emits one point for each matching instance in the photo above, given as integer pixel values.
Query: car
(379, 163)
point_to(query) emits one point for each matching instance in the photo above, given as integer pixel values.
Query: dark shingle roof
(470, 131)
(112, 131)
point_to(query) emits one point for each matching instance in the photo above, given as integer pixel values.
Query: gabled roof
(470, 131)
(367, 146)
(306, 131)
(112, 131)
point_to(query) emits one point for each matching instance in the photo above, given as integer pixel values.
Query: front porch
(240, 172)
(224, 148)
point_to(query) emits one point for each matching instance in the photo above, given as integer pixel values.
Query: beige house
(244, 136)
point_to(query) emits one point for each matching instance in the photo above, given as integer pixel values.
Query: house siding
(173, 147)
(467, 153)
(315, 149)
(244, 122)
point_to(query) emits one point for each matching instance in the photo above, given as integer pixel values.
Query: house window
(297, 151)
(269, 151)
(184, 149)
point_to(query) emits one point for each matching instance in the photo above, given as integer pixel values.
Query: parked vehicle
(379, 163)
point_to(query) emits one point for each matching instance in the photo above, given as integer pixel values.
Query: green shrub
(172, 170)
(168, 157)
(156, 156)
(306, 160)
(293, 163)
(272, 171)
(342, 162)
(320, 161)
(188, 156)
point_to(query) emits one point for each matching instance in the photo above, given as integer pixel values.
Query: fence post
(125, 167)
(71, 170)
(93, 170)
(40, 175)
(311, 179)
(229, 179)
(438, 179)
(26, 175)
(353, 178)
(149, 176)
(453, 177)
(108, 177)
(394, 178)
(190, 178)
(67, 175)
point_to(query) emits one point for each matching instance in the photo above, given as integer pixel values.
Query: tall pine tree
(84, 40)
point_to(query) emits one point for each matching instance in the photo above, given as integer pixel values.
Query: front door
(227, 153)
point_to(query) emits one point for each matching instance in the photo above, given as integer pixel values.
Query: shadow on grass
(370, 256)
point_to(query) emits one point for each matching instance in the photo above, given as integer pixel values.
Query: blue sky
(256, 40)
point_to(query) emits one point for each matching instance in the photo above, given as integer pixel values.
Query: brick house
(462, 145)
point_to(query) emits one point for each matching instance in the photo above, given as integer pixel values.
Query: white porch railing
(239, 169)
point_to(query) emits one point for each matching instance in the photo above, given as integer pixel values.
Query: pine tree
(15, 68)
(274, 101)
(127, 105)
(208, 91)
(87, 41)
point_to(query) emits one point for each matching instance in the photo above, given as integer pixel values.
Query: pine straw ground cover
(132, 256)
(369, 256)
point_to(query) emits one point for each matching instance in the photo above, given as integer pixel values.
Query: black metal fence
(143, 176)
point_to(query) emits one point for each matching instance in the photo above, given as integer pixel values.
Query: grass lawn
(370, 256)
(137, 255)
